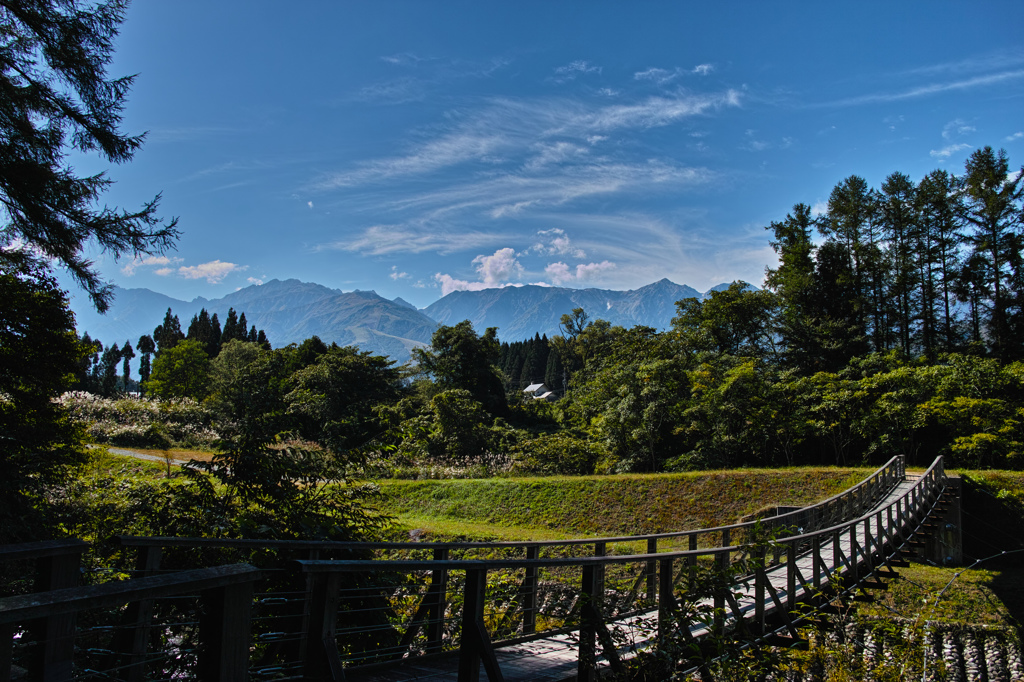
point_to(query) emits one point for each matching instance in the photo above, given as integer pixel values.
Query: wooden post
(868, 541)
(224, 633)
(652, 571)
(322, 661)
(56, 634)
(760, 578)
(836, 549)
(530, 585)
(666, 599)
(816, 561)
(600, 549)
(476, 644)
(691, 562)
(133, 641)
(791, 576)
(435, 619)
(589, 594)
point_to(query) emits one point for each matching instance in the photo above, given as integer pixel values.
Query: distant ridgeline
(98, 371)
(292, 311)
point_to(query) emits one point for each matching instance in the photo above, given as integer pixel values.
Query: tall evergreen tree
(203, 330)
(940, 241)
(127, 352)
(991, 205)
(146, 347)
(168, 333)
(56, 98)
(111, 359)
(897, 216)
(553, 373)
(850, 221)
(793, 282)
(231, 328)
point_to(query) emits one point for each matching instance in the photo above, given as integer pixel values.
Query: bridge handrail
(879, 481)
(855, 546)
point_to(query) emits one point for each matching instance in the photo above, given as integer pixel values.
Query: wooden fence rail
(225, 595)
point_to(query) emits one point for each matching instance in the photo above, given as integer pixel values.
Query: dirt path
(175, 460)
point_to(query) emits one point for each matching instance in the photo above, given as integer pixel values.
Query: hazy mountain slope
(289, 311)
(521, 312)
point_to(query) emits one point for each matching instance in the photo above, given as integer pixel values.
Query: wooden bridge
(450, 611)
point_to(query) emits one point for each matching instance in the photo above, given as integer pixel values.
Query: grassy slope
(541, 508)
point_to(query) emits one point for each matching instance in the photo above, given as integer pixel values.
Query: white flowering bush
(486, 465)
(143, 422)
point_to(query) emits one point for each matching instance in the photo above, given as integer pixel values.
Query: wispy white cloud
(556, 242)
(656, 75)
(449, 150)
(561, 273)
(925, 90)
(396, 275)
(137, 262)
(993, 61)
(949, 150)
(661, 76)
(380, 240)
(956, 128)
(540, 130)
(254, 280)
(395, 91)
(1016, 136)
(404, 59)
(213, 271)
(573, 69)
(756, 145)
(657, 111)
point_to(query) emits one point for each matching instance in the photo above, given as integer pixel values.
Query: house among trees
(540, 392)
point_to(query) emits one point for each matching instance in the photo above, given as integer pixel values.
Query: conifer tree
(168, 334)
(230, 331)
(57, 97)
(127, 352)
(897, 216)
(146, 347)
(111, 359)
(940, 243)
(991, 206)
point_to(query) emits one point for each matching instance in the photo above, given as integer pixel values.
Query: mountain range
(291, 311)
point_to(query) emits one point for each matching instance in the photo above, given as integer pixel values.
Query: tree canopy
(57, 97)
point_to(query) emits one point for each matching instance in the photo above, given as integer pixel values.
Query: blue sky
(415, 148)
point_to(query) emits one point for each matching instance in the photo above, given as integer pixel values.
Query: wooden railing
(409, 606)
(225, 597)
(855, 548)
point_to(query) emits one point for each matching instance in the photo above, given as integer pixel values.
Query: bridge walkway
(556, 658)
